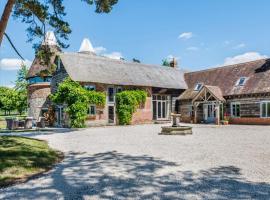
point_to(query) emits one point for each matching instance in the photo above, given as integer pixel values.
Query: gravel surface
(134, 162)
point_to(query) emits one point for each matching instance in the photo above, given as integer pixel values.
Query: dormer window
(198, 87)
(241, 81)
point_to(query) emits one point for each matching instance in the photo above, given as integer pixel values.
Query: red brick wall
(143, 115)
(250, 121)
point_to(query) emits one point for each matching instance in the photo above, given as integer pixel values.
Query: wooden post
(218, 113)
(195, 113)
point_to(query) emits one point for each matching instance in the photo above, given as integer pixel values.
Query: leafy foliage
(126, 104)
(11, 99)
(43, 14)
(21, 82)
(77, 100)
(165, 63)
(21, 89)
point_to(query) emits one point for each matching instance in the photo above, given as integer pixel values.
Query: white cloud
(10, 86)
(99, 50)
(246, 57)
(240, 46)
(186, 35)
(170, 57)
(114, 55)
(227, 42)
(13, 63)
(192, 48)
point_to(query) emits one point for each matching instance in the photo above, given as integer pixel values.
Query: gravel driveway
(134, 162)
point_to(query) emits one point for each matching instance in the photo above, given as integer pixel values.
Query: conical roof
(50, 39)
(86, 46)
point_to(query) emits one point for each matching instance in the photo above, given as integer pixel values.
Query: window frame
(235, 104)
(239, 81)
(108, 96)
(267, 115)
(89, 110)
(198, 87)
(90, 85)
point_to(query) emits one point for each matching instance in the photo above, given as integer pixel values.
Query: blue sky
(201, 34)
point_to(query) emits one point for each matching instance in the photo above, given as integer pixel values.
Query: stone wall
(38, 99)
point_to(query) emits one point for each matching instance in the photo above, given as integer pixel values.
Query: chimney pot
(173, 63)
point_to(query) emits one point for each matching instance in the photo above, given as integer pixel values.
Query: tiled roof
(97, 69)
(257, 75)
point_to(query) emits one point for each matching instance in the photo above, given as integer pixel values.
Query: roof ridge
(124, 61)
(227, 66)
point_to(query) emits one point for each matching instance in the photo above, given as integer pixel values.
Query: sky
(200, 34)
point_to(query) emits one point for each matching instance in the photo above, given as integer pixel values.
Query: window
(235, 109)
(265, 109)
(198, 87)
(90, 87)
(111, 94)
(241, 81)
(119, 89)
(38, 79)
(92, 110)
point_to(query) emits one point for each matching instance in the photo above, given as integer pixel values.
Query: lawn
(21, 157)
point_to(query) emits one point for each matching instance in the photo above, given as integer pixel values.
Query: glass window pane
(163, 109)
(159, 97)
(111, 94)
(237, 110)
(233, 110)
(154, 97)
(159, 109)
(163, 98)
(154, 110)
(90, 87)
(268, 109)
(263, 107)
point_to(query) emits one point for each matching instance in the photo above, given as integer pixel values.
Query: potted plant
(226, 119)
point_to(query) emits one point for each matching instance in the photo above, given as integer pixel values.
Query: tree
(21, 101)
(21, 82)
(165, 62)
(41, 14)
(8, 99)
(136, 60)
(21, 89)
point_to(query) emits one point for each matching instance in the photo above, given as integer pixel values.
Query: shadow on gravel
(120, 176)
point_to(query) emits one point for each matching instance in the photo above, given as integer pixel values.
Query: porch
(208, 105)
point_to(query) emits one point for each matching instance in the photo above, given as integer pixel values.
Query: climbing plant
(126, 104)
(77, 100)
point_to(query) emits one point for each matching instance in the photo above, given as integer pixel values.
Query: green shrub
(77, 100)
(126, 104)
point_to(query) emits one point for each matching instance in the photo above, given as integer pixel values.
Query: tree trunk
(5, 17)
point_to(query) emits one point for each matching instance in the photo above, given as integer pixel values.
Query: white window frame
(235, 103)
(90, 85)
(261, 105)
(238, 82)
(198, 87)
(108, 97)
(95, 109)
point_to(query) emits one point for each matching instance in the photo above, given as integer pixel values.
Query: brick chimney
(173, 63)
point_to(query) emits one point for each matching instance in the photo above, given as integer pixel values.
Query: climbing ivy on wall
(126, 104)
(77, 100)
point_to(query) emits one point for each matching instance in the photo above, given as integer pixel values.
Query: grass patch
(21, 157)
